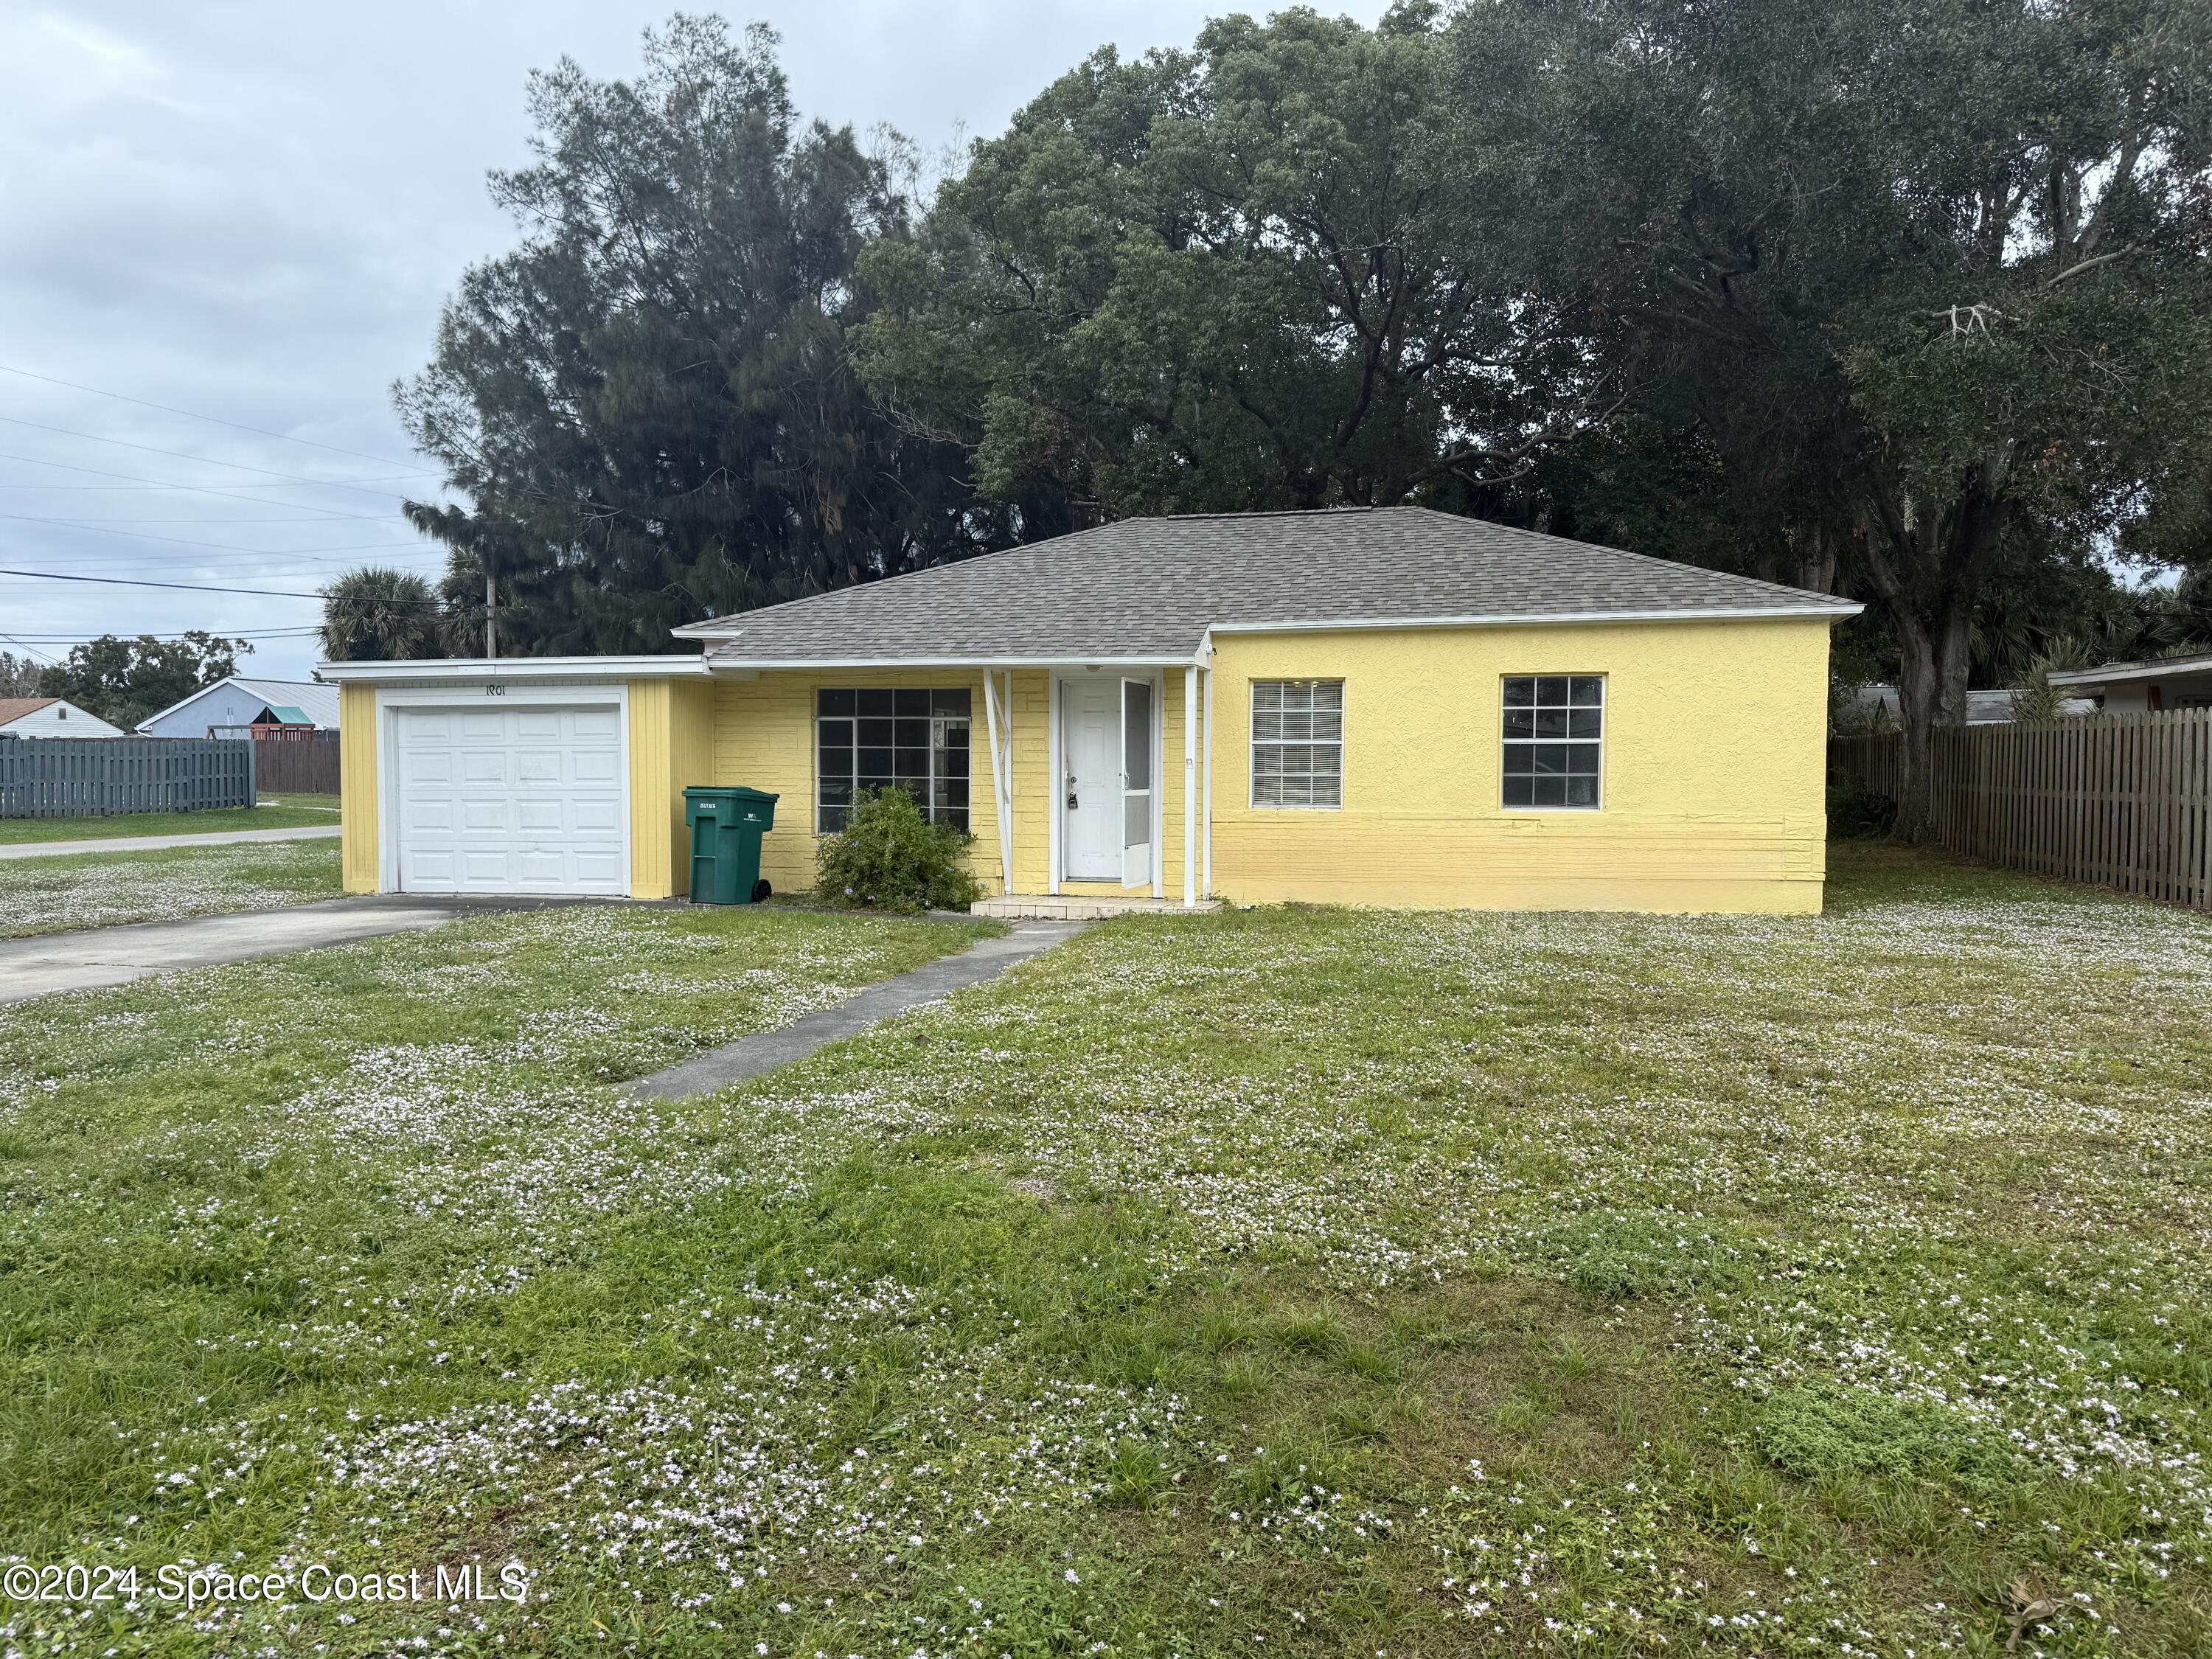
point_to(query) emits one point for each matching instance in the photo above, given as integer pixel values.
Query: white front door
(527, 799)
(1090, 778)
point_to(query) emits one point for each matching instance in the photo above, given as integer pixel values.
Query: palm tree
(379, 613)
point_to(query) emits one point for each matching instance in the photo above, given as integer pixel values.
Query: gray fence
(86, 777)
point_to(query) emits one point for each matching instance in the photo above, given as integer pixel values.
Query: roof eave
(514, 668)
(1837, 611)
(718, 662)
(2149, 671)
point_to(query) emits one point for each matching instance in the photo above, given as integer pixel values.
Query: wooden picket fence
(91, 777)
(2121, 801)
(297, 766)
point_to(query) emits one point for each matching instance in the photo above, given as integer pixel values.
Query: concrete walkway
(51, 849)
(113, 956)
(748, 1057)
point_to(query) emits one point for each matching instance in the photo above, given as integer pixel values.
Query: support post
(997, 722)
(1190, 786)
(1052, 776)
(1205, 796)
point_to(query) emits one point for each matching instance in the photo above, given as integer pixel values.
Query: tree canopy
(1263, 273)
(126, 681)
(649, 406)
(1927, 279)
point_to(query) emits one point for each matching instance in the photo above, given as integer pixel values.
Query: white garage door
(529, 799)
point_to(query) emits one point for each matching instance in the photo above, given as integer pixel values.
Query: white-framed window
(1297, 743)
(1554, 741)
(915, 740)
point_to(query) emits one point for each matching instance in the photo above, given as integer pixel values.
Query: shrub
(1858, 814)
(890, 857)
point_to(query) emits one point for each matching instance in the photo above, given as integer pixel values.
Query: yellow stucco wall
(1713, 784)
(1713, 798)
(357, 855)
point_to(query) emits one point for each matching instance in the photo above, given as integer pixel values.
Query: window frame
(940, 723)
(1507, 744)
(1253, 742)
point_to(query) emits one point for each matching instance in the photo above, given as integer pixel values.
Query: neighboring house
(2140, 688)
(1878, 704)
(50, 717)
(232, 707)
(1394, 707)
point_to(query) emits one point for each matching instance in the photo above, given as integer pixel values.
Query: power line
(24, 640)
(194, 415)
(201, 490)
(226, 547)
(208, 460)
(41, 655)
(366, 518)
(190, 587)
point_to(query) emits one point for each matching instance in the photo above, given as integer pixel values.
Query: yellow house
(1388, 706)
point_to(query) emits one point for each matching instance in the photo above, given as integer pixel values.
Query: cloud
(254, 209)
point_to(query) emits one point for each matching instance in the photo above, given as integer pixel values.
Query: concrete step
(1080, 907)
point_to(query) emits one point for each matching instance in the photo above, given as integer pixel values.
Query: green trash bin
(727, 823)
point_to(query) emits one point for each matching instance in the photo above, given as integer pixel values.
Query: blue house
(229, 708)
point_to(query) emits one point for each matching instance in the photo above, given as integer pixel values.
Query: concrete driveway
(112, 956)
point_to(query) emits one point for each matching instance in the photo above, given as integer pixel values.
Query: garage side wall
(671, 747)
(1713, 771)
(359, 855)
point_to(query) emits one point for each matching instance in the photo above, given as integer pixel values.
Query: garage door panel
(427, 870)
(512, 800)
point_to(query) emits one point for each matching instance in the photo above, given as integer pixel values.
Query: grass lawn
(275, 812)
(1286, 1281)
(62, 894)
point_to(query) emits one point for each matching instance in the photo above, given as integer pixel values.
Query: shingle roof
(14, 708)
(1151, 588)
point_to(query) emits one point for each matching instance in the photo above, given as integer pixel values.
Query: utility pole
(491, 626)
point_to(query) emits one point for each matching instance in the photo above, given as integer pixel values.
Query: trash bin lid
(731, 792)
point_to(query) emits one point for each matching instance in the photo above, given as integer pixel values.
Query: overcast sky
(253, 211)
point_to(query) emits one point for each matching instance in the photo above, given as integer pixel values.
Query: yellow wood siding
(1713, 771)
(358, 859)
(670, 748)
